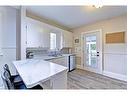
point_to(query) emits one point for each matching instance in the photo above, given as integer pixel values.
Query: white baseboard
(79, 67)
(114, 75)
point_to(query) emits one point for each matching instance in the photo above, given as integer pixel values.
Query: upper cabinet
(38, 35)
(67, 39)
(43, 35)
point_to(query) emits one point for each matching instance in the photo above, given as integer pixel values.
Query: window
(52, 41)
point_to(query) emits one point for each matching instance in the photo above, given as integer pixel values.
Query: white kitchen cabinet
(38, 35)
(61, 61)
(59, 81)
(67, 39)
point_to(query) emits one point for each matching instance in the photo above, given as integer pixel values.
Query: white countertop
(34, 71)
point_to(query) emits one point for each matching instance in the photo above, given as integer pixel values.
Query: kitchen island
(35, 71)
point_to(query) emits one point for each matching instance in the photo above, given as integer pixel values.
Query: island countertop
(34, 71)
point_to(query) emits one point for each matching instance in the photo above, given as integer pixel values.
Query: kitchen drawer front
(61, 61)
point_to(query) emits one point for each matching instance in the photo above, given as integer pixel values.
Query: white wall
(114, 55)
(0, 33)
(8, 37)
(8, 27)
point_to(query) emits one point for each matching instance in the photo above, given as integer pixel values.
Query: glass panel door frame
(99, 49)
(90, 50)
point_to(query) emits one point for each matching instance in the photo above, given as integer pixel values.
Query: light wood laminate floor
(81, 79)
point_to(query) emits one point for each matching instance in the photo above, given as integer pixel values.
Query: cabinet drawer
(61, 61)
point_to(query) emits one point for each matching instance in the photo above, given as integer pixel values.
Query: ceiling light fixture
(98, 6)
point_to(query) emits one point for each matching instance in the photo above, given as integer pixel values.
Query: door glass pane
(91, 51)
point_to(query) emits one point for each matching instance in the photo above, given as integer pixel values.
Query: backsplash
(66, 50)
(37, 51)
(44, 51)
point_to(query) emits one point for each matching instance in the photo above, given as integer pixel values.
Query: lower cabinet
(61, 61)
(47, 84)
(58, 81)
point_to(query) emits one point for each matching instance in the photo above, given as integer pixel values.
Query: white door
(92, 55)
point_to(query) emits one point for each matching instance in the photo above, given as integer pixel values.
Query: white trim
(92, 31)
(115, 75)
(79, 66)
(93, 70)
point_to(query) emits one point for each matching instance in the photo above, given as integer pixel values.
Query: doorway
(92, 51)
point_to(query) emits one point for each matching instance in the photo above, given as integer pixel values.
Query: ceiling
(76, 16)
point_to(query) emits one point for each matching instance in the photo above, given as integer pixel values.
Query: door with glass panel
(92, 51)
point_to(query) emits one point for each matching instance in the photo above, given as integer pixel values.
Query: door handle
(97, 54)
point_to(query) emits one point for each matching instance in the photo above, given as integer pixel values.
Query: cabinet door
(59, 81)
(45, 37)
(61, 61)
(33, 34)
(67, 39)
(37, 34)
